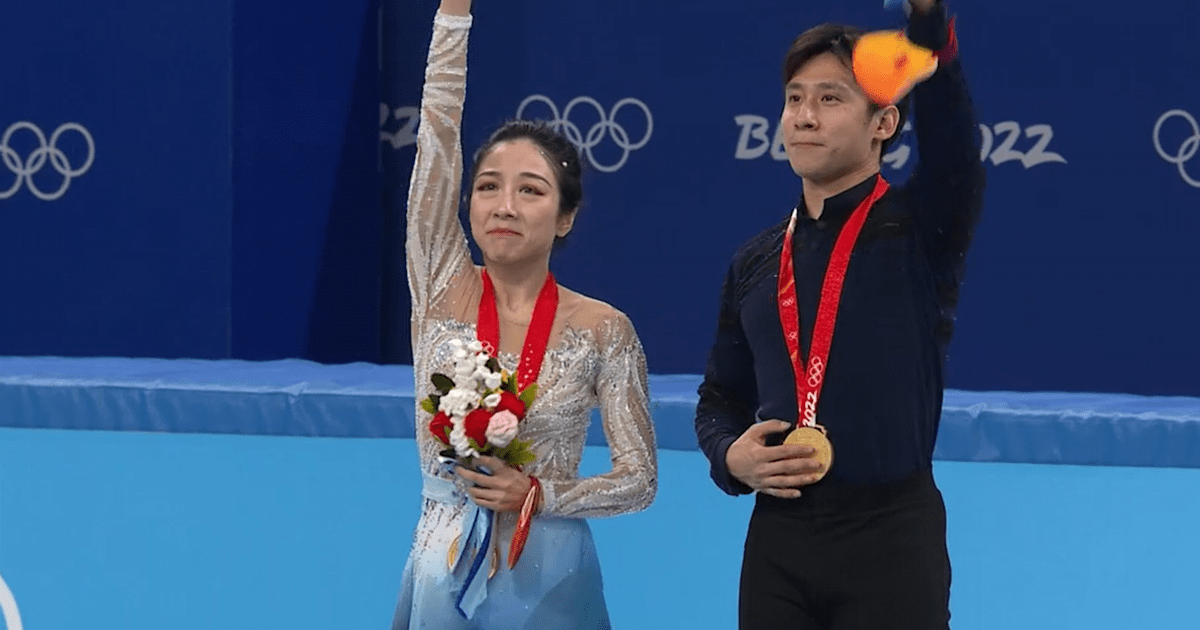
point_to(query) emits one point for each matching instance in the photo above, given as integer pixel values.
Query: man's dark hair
(839, 40)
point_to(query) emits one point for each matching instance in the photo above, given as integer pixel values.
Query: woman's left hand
(503, 491)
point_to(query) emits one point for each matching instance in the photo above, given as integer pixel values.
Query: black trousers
(845, 557)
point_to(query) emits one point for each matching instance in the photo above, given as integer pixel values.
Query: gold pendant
(815, 437)
(452, 555)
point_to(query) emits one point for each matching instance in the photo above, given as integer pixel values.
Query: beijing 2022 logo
(36, 163)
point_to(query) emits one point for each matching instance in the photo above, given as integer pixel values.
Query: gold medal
(815, 437)
(453, 554)
(810, 373)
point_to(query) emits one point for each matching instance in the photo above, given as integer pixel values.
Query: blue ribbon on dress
(474, 541)
(477, 538)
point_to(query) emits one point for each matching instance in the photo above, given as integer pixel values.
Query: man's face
(828, 128)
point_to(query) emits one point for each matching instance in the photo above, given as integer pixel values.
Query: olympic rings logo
(45, 153)
(607, 126)
(815, 372)
(1187, 149)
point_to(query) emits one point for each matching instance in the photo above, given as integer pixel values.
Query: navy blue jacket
(882, 397)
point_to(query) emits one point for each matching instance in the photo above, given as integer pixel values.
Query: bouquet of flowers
(478, 411)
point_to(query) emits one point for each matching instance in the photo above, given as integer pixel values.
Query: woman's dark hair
(839, 40)
(559, 152)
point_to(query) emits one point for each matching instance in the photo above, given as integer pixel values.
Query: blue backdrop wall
(128, 252)
(236, 174)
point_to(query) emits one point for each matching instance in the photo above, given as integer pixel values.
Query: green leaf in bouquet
(518, 453)
(442, 383)
(506, 452)
(429, 405)
(529, 395)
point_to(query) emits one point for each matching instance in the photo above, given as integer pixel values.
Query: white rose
(457, 402)
(493, 381)
(450, 406)
(464, 372)
(491, 401)
(475, 346)
(502, 428)
(460, 442)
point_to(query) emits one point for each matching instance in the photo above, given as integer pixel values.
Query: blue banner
(190, 180)
(115, 184)
(1080, 277)
(306, 229)
(229, 180)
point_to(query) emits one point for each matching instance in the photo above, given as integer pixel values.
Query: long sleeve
(947, 184)
(728, 393)
(623, 391)
(436, 247)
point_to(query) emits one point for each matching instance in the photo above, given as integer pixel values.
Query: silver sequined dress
(594, 359)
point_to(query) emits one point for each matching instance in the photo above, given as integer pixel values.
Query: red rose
(440, 427)
(509, 402)
(475, 426)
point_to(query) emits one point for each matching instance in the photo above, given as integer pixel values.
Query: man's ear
(886, 123)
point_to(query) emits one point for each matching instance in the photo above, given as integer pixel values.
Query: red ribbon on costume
(537, 338)
(524, 522)
(487, 328)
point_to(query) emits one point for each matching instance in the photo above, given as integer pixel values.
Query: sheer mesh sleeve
(624, 399)
(435, 245)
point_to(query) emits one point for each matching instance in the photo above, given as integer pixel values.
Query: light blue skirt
(556, 584)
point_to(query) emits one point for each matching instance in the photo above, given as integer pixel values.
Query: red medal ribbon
(809, 381)
(487, 328)
(524, 521)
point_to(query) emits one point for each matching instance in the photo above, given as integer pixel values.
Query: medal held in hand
(810, 378)
(478, 413)
(816, 437)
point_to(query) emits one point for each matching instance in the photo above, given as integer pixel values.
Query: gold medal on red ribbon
(810, 374)
(816, 437)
